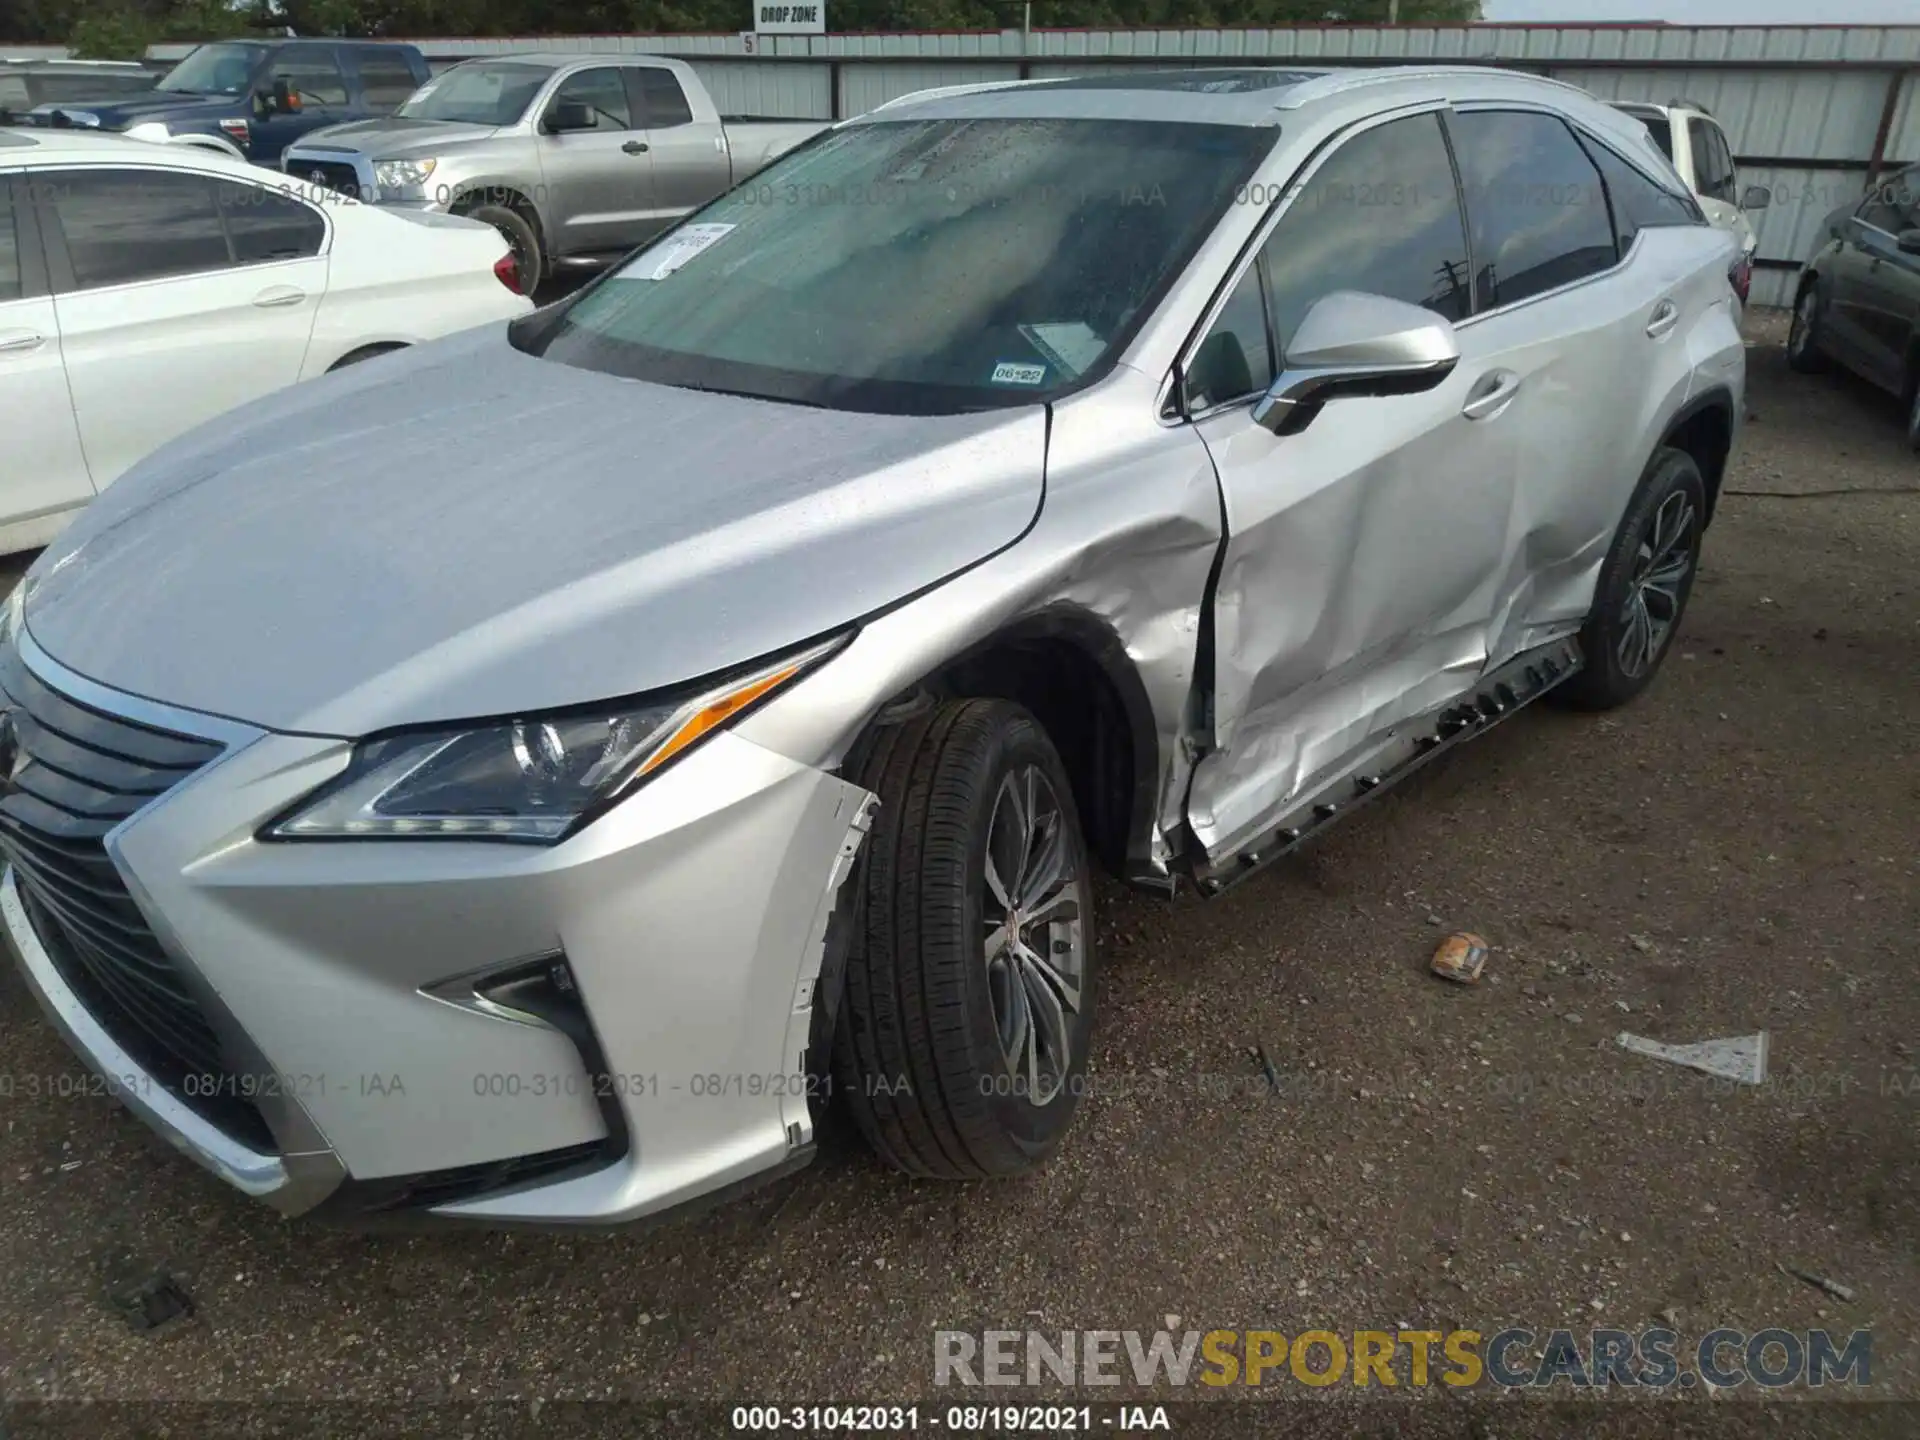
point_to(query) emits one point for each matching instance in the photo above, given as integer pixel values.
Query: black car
(1859, 297)
(27, 83)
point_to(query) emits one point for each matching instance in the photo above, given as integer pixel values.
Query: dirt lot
(1735, 852)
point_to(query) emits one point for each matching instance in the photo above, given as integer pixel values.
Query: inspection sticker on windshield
(1009, 373)
(680, 247)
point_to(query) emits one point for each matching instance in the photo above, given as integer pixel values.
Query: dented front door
(1362, 559)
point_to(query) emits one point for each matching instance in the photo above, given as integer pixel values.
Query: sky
(1709, 12)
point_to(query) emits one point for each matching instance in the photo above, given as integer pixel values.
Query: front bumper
(338, 976)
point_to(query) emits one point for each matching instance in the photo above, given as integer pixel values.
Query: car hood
(123, 110)
(464, 530)
(391, 138)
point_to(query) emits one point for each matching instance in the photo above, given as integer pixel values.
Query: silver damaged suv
(526, 777)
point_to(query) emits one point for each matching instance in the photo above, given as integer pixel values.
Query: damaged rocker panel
(1496, 696)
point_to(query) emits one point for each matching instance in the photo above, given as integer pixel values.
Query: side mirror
(1908, 241)
(281, 99)
(1757, 197)
(564, 116)
(1353, 344)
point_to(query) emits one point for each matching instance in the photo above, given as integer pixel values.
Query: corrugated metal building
(1811, 111)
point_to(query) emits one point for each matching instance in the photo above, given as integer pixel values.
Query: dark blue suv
(253, 98)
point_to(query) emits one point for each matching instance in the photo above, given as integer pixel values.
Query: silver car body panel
(521, 542)
(463, 532)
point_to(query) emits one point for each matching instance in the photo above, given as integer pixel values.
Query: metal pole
(1393, 12)
(1026, 27)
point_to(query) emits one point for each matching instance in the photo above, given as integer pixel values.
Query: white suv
(1697, 146)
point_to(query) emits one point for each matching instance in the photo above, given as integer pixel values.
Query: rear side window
(1712, 163)
(1235, 359)
(122, 226)
(265, 225)
(663, 102)
(386, 80)
(9, 248)
(14, 94)
(1381, 215)
(1535, 203)
(313, 75)
(1637, 203)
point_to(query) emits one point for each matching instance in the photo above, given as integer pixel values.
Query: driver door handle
(275, 296)
(1666, 315)
(19, 342)
(635, 147)
(1491, 394)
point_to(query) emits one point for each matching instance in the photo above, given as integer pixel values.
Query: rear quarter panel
(404, 280)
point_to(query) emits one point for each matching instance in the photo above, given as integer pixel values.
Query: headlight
(401, 175)
(15, 614)
(526, 779)
(85, 119)
(152, 130)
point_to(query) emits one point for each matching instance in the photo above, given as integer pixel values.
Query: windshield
(214, 70)
(919, 267)
(493, 92)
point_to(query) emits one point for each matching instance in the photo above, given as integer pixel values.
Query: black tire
(365, 352)
(1671, 492)
(529, 264)
(1804, 349)
(917, 1054)
(1913, 410)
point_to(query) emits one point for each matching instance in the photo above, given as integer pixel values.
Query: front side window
(1236, 358)
(313, 75)
(918, 266)
(1712, 164)
(386, 80)
(1535, 202)
(1893, 205)
(126, 225)
(214, 70)
(602, 92)
(486, 92)
(265, 225)
(1381, 216)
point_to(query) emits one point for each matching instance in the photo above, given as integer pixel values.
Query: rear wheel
(1643, 586)
(970, 976)
(528, 263)
(1803, 336)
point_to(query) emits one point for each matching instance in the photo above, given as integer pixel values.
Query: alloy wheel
(1660, 573)
(1035, 948)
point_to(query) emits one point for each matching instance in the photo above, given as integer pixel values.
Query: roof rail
(1353, 77)
(942, 92)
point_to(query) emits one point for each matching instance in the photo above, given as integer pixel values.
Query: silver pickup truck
(575, 159)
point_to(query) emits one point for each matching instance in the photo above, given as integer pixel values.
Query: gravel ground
(1735, 852)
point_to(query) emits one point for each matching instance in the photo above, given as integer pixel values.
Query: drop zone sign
(790, 17)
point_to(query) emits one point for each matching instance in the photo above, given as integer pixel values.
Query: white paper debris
(1742, 1058)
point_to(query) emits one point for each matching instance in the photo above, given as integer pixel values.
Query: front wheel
(963, 1034)
(1643, 587)
(1803, 335)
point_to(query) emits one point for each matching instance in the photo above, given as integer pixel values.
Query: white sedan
(144, 290)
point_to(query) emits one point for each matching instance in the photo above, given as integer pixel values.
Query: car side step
(1501, 692)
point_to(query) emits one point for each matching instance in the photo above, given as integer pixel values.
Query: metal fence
(1811, 111)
